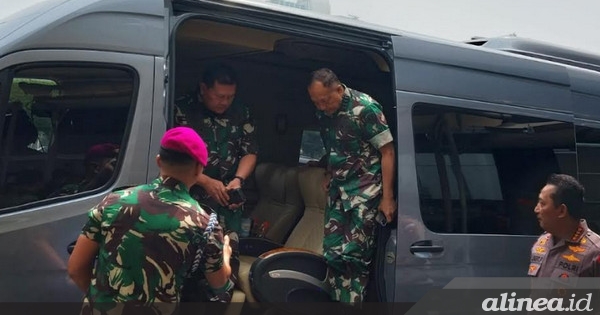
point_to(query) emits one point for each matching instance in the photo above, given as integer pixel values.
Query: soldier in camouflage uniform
(228, 129)
(360, 163)
(146, 237)
(569, 248)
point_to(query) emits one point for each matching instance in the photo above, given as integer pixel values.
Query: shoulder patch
(533, 269)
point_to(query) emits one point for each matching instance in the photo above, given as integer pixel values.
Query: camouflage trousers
(348, 247)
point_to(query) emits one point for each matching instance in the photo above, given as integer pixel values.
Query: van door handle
(425, 246)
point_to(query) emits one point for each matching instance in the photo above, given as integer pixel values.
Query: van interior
(273, 70)
(284, 196)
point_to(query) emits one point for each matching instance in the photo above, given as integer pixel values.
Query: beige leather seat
(279, 201)
(308, 233)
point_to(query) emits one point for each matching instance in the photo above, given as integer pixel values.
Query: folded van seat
(308, 233)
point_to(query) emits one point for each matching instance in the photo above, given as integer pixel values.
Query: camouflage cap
(185, 140)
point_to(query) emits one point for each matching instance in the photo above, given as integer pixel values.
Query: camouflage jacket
(148, 237)
(352, 137)
(229, 136)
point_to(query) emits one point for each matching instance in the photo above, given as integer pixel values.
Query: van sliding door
(480, 132)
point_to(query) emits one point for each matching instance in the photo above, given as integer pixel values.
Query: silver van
(478, 127)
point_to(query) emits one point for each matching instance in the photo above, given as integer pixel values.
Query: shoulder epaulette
(593, 238)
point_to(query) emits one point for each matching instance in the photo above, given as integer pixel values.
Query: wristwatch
(240, 178)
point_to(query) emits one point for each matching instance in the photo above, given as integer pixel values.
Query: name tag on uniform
(568, 266)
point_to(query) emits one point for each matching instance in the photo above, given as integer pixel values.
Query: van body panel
(467, 56)
(462, 77)
(34, 251)
(15, 21)
(140, 35)
(586, 97)
(466, 72)
(463, 255)
(124, 26)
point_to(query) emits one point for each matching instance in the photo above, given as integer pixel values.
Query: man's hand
(388, 207)
(234, 184)
(81, 262)
(219, 278)
(226, 250)
(215, 189)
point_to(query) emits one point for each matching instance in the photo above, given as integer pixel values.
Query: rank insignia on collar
(571, 258)
(577, 236)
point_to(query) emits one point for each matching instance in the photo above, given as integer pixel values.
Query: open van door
(273, 49)
(474, 152)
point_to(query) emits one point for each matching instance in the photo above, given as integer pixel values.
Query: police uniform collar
(579, 233)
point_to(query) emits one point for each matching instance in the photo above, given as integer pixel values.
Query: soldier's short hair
(324, 75)
(569, 192)
(173, 157)
(219, 73)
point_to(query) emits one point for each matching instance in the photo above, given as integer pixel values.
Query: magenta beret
(185, 140)
(103, 150)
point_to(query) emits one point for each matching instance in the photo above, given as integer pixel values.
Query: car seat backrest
(279, 203)
(308, 233)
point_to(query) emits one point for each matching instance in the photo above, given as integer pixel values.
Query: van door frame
(230, 13)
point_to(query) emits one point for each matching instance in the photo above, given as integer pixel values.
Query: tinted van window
(480, 171)
(311, 147)
(61, 130)
(588, 155)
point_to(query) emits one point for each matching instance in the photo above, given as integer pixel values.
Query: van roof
(36, 26)
(541, 50)
(137, 26)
